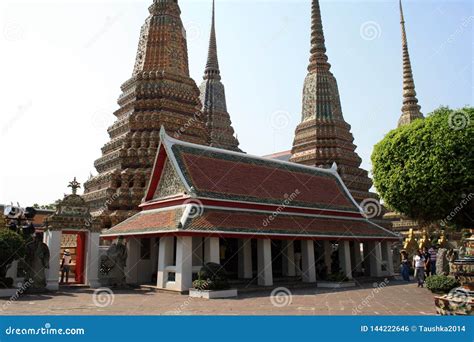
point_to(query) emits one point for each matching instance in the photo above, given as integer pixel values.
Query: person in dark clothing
(427, 257)
(405, 266)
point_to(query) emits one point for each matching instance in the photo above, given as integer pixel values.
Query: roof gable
(166, 179)
(170, 185)
(206, 172)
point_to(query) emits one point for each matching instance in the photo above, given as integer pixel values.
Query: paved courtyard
(396, 298)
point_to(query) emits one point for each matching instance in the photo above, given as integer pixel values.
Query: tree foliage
(51, 206)
(425, 170)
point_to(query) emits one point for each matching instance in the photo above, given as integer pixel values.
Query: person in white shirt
(66, 266)
(419, 265)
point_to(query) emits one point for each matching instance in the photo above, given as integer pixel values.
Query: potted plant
(212, 283)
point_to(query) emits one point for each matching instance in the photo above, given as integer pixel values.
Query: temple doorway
(229, 256)
(71, 261)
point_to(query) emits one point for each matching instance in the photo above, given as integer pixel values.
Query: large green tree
(425, 170)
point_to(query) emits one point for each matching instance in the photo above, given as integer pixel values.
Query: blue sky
(62, 64)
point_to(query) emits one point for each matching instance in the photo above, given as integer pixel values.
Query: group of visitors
(424, 264)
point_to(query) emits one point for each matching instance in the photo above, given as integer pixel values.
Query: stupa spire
(323, 137)
(159, 93)
(214, 106)
(212, 65)
(318, 45)
(411, 108)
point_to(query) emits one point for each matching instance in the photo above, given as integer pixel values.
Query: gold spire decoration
(411, 108)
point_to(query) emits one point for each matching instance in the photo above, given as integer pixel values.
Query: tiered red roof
(232, 193)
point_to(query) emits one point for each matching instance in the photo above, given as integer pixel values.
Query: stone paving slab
(397, 298)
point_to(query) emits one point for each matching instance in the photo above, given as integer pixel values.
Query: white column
(133, 258)
(92, 260)
(375, 257)
(184, 264)
(288, 258)
(264, 256)
(245, 259)
(327, 255)
(52, 238)
(345, 258)
(165, 259)
(211, 250)
(388, 246)
(308, 266)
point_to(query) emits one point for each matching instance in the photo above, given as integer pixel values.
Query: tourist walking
(405, 266)
(66, 266)
(427, 256)
(433, 254)
(419, 263)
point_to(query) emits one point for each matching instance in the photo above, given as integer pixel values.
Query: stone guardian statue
(36, 263)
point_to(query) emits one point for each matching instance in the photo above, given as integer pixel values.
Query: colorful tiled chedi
(323, 136)
(160, 92)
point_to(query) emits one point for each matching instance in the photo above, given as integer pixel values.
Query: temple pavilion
(174, 183)
(250, 214)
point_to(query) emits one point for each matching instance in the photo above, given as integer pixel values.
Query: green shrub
(12, 247)
(212, 277)
(441, 283)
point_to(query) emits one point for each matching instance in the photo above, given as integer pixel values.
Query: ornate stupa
(410, 112)
(323, 136)
(214, 106)
(411, 108)
(159, 93)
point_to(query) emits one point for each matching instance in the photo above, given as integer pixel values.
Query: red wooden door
(80, 252)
